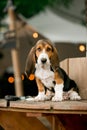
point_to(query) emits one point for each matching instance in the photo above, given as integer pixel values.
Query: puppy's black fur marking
(68, 83)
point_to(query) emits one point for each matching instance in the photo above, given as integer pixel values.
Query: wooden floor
(48, 115)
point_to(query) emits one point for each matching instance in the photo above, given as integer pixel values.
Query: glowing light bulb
(22, 77)
(82, 48)
(11, 79)
(35, 35)
(31, 77)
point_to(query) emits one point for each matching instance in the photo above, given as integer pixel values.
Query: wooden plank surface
(3, 103)
(70, 105)
(65, 106)
(30, 104)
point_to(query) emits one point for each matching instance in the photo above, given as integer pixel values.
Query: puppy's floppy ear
(30, 62)
(55, 59)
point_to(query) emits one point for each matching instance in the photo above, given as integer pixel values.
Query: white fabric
(57, 28)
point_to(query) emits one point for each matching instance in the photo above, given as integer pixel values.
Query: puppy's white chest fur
(46, 76)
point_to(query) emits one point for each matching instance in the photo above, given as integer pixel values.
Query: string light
(35, 35)
(22, 77)
(82, 48)
(31, 77)
(11, 79)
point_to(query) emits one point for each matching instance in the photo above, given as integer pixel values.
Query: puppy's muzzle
(43, 60)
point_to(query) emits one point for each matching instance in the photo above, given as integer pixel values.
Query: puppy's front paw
(57, 98)
(40, 98)
(58, 93)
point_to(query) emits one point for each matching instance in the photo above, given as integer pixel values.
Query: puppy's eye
(38, 49)
(48, 49)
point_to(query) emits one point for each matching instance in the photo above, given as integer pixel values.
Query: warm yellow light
(31, 77)
(11, 79)
(35, 35)
(82, 48)
(22, 77)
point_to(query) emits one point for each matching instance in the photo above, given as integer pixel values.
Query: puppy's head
(43, 54)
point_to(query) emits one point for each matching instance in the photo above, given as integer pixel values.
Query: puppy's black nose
(43, 60)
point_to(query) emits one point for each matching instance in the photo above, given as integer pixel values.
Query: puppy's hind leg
(73, 95)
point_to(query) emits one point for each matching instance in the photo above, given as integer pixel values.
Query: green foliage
(31, 7)
(2, 5)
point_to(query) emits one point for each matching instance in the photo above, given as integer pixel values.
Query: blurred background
(22, 23)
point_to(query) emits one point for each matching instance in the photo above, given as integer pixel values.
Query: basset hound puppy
(52, 81)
